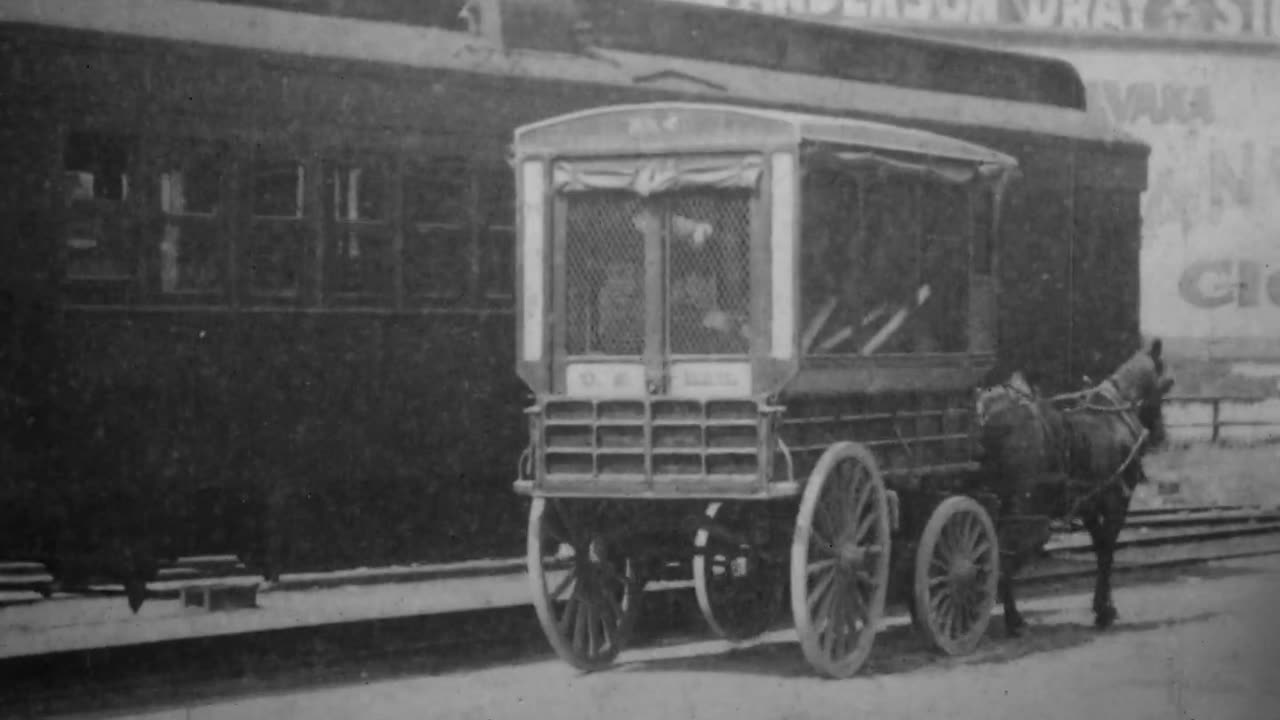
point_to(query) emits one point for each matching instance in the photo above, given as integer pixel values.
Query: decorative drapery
(647, 176)
(946, 170)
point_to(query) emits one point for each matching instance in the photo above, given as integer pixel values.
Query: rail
(1211, 417)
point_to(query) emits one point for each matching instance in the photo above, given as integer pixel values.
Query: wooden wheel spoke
(570, 578)
(857, 609)
(981, 549)
(818, 594)
(594, 621)
(973, 535)
(830, 526)
(940, 598)
(819, 541)
(856, 497)
(581, 618)
(820, 565)
(940, 563)
(565, 623)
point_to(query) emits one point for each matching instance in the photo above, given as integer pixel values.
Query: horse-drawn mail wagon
(753, 337)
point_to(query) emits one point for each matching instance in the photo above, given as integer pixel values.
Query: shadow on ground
(900, 649)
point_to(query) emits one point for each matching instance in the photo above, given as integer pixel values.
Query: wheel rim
(957, 568)
(586, 609)
(840, 561)
(739, 589)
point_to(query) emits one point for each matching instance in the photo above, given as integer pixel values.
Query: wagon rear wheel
(840, 560)
(739, 585)
(588, 602)
(957, 567)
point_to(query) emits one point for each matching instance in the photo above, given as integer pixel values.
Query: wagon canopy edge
(672, 126)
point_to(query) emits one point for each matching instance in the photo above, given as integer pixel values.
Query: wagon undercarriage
(834, 555)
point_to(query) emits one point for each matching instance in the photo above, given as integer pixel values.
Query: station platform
(31, 625)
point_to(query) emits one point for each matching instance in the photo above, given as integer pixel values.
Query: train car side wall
(310, 434)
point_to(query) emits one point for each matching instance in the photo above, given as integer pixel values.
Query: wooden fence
(1212, 417)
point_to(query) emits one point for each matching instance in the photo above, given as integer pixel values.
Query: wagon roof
(671, 126)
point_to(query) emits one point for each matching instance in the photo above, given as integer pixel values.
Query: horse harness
(1116, 404)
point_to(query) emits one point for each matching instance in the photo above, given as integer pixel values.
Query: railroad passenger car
(263, 250)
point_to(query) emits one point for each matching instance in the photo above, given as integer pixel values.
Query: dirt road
(1205, 646)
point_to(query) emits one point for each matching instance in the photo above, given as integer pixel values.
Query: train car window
(278, 188)
(191, 252)
(498, 233)
(939, 324)
(438, 199)
(97, 169)
(357, 199)
(273, 255)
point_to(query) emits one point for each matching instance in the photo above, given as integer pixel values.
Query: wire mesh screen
(604, 273)
(708, 273)
(707, 247)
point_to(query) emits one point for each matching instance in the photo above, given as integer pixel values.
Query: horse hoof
(1016, 628)
(1104, 618)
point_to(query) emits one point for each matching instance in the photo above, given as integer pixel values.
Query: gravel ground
(1204, 646)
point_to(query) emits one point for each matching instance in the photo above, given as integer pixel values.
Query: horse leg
(1014, 624)
(1101, 533)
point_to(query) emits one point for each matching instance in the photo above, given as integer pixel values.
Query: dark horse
(1077, 456)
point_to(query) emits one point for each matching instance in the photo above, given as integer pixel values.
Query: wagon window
(939, 324)
(190, 251)
(437, 205)
(97, 169)
(892, 291)
(709, 272)
(833, 241)
(883, 266)
(356, 199)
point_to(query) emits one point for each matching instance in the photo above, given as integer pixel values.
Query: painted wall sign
(1234, 18)
(1211, 220)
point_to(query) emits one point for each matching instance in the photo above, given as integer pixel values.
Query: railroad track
(134, 677)
(1143, 527)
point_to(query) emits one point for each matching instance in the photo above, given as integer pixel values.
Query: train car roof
(432, 49)
(812, 46)
(718, 125)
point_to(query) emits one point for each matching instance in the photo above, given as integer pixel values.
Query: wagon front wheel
(585, 592)
(840, 560)
(957, 567)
